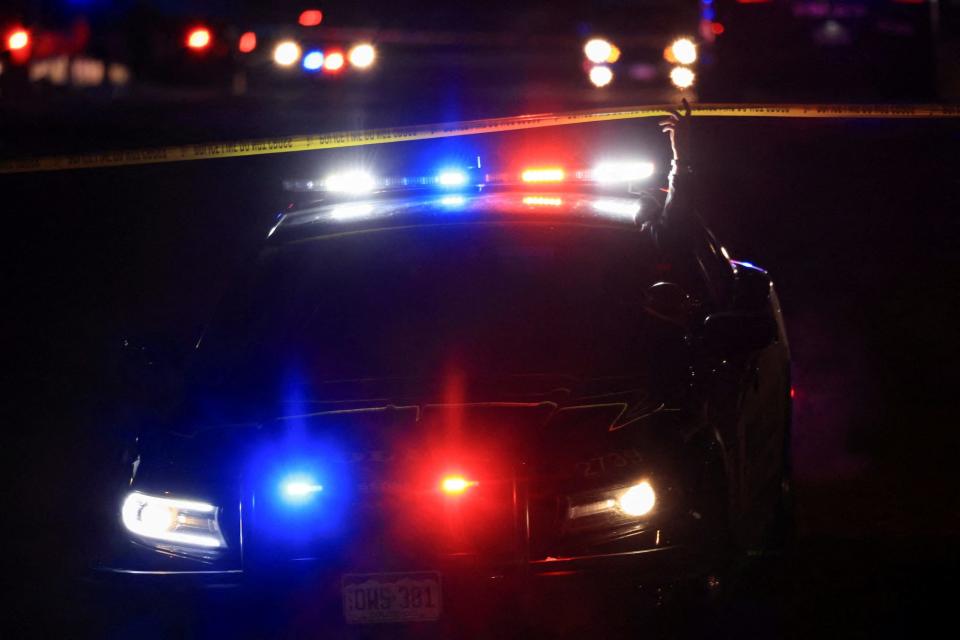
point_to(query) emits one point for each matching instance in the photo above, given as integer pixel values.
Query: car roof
(428, 207)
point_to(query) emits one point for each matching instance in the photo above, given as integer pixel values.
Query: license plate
(391, 597)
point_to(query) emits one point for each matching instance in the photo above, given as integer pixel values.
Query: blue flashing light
(709, 14)
(313, 61)
(452, 178)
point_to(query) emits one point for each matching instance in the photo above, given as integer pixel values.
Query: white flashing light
(684, 51)
(362, 56)
(351, 182)
(184, 522)
(682, 77)
(601, 76)
(638, 500)
(286, 53)
(618, 207)
(333, 62)
(597, 50)
(452, 178)
(614, 172)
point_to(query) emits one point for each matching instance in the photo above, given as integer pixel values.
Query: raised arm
(679, 207)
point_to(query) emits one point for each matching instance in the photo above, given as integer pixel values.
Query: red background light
(18, 39)
(310, 18)
(248, 42)
(198, 38)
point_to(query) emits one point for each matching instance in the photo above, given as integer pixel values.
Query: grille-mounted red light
(455, 485)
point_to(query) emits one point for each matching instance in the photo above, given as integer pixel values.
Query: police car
(425, 390)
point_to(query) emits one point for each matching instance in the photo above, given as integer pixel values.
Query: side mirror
(738, 333)
(668, 301)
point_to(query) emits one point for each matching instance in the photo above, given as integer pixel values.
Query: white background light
(597, 50)
(684, 51)
(601, 76)
(682, 77)
(286, 53)
(362, 55)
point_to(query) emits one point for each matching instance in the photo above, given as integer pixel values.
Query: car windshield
(487, 299)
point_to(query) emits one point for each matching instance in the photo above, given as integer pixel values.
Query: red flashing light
(333, 62)
(310, 18)
(18, 39)
(198, 38)
(717, 28)
(248, 42)
(456, 485)
(542, 174)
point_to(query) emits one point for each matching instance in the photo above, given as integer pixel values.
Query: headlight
(181, 522)
(619, 504)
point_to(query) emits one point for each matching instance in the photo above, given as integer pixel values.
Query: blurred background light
(601, 76)
(333, 61)
(310, 18)
(362, 55)
(684, 51)
(248, 42)
(18, 39)
(313, 60)
(597, 50)
(286, 53)
(198, 38)
(614, 54)
(682, 77)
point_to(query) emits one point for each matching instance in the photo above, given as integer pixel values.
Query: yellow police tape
(471, 127)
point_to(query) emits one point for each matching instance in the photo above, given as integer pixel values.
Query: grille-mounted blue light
(300, 488)
(451, 178)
